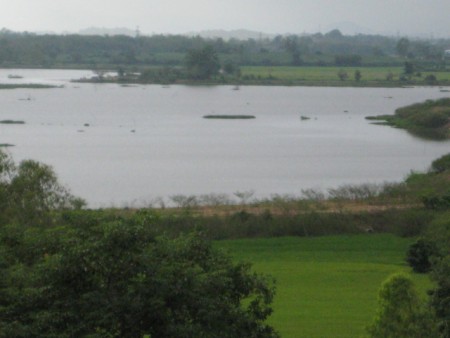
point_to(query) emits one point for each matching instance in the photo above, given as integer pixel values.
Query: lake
(128, 145)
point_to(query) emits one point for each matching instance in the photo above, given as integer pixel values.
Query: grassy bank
(430, 119)
(329, 76)
(326, 286)
(364, 76)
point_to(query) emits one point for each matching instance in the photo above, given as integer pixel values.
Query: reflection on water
(113, 145)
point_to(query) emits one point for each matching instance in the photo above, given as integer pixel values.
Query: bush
(117, 279)
(30, 192)
(419, 254)
(430, 119)
(430, 79)
(400, 312)
(441, 164)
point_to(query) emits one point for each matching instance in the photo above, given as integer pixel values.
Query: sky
(425, 18)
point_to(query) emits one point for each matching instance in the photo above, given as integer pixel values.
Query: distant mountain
(240, 34)
(349, 28)
(108, 31)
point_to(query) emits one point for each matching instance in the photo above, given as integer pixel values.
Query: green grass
(328, 75)
(326, 286)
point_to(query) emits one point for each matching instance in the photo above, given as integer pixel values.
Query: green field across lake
(326, 286)
(322, 75)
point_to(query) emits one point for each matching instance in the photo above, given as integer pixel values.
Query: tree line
(333, 48)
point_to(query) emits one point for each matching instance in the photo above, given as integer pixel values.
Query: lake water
(115, 145)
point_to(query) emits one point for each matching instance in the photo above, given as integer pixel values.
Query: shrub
(30, 192)
(441, 164)
(419, 254)
(432, 119)
(430, 79)
(400, 312)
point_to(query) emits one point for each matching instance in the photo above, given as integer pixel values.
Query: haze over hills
(108, 31)
(240, 34)
(349, 28)
(346, 28)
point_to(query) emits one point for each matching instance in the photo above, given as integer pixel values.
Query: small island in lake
(430, 119)
(11, 122)
(230, 117)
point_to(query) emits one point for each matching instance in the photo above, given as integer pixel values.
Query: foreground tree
(419, 255)
(116, 279)
(400, 312)
(439, 234)
(30, 192)
(79, 275)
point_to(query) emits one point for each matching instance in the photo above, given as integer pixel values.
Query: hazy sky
(405, 17)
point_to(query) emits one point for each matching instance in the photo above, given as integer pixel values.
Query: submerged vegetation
(430, 119)
(11, 122)
(26, 86)
(229, 117)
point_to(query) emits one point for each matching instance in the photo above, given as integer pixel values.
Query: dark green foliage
(435, 119)
(419, 255)
(429, 119)
(437, 202)
(441, 164)
(202, 64)
(161, 75)
(70, 50)
(439, 234)
(117, 279)
(342, 75)
(440, 295)
(400, 312)
(408, 68)
(431, 79)
(30, 192)
(348, 60)
(231, 68)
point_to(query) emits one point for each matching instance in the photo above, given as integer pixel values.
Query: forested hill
(330, 49)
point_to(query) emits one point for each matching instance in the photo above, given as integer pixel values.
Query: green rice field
(317, 75)
(326, 286)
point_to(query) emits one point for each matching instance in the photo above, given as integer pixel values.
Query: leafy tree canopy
(202, 64)
(400, 312)
(117, 279)
(83, 275)
(30, 192)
